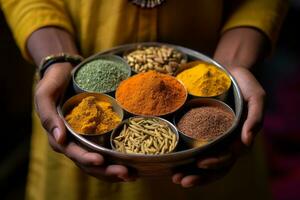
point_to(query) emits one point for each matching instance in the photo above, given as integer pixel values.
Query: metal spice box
(165, 164)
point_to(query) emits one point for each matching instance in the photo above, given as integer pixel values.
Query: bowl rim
(192, 64)
(116, 130)
(176, 118)
(86, 94)
(192, 54)
(90, 59)
(163, 114)
(152, 44)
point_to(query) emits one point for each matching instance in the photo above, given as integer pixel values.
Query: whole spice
(205, 123)
(151, 93)
(92, 116)
(163, 59)
(146, 136)
(205, 80)
(101, 75)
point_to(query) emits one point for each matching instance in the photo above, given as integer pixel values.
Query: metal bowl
(119, 128)
(151, 44)
(167, 163)
(130, 112)
(114, 58)
(192, 64)
(196, 103)
(100, 139)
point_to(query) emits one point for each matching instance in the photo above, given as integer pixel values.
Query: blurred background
(15, 118)
(279, 74)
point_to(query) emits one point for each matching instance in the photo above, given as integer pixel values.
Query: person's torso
(102, 24)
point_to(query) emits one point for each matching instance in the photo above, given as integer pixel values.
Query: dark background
(15, 116)
(279, 74)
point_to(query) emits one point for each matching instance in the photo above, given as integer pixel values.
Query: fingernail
(249, 139)
(56, 134)
(188, 185)
(127, 179)
(204, 164)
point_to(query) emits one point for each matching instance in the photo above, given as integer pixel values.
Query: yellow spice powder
(205, 80)
(92, 116)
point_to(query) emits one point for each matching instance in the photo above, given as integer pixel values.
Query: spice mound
(205, 123)
(205, 80)
(163, 59)
(101, 75)
(92, 116)
(151, 93)
(145, 136)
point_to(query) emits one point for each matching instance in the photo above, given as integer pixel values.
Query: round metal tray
(158, 165)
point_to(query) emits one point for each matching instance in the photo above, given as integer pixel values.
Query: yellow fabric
(24, 17)
(101, 24)
(265, 15)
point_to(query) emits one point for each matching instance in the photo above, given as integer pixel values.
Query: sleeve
(265, 15)
(26, 16)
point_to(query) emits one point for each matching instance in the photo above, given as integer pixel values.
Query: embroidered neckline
(147, 3)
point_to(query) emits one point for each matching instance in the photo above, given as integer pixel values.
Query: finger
(176, 178)
(82, 156)
(119, 171)
(46, 108)
(254, 120)
(216, 162)
(254, 96)
(190, 181)
(53, 143)
(47, 93)
(113, 173)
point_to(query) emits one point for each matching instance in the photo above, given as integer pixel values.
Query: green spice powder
(102, 75)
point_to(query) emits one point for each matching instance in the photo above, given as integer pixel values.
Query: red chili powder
(151, 93)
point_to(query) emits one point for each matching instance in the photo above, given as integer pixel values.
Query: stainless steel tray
(157, 165)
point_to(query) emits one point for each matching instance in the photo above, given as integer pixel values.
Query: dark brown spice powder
(205, 123)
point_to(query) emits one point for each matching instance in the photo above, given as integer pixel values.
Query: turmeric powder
(205, 80)
(92, 116)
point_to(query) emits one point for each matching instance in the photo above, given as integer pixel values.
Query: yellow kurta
(101, 24)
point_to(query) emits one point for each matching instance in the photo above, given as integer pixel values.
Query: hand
(254, 97)
(48, 91)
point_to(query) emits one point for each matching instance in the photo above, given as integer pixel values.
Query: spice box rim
(174, 156)
(74, 100)
(162, 76)
(198, 103)
(110, 57)
(117, 131)
(145, 46)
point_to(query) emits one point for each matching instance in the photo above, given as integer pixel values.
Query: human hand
(47, 93)
(219, 163)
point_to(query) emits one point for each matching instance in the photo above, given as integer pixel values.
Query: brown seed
(206, 123)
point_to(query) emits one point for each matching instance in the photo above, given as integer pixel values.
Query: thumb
(57, 129)
(254, 121)
(51, 121)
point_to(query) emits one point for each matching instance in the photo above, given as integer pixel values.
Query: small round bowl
(100, 139)
(165, 114)
(120, 127)
(192, 64)
(147, 45)
(109, 57)
(191, 142)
